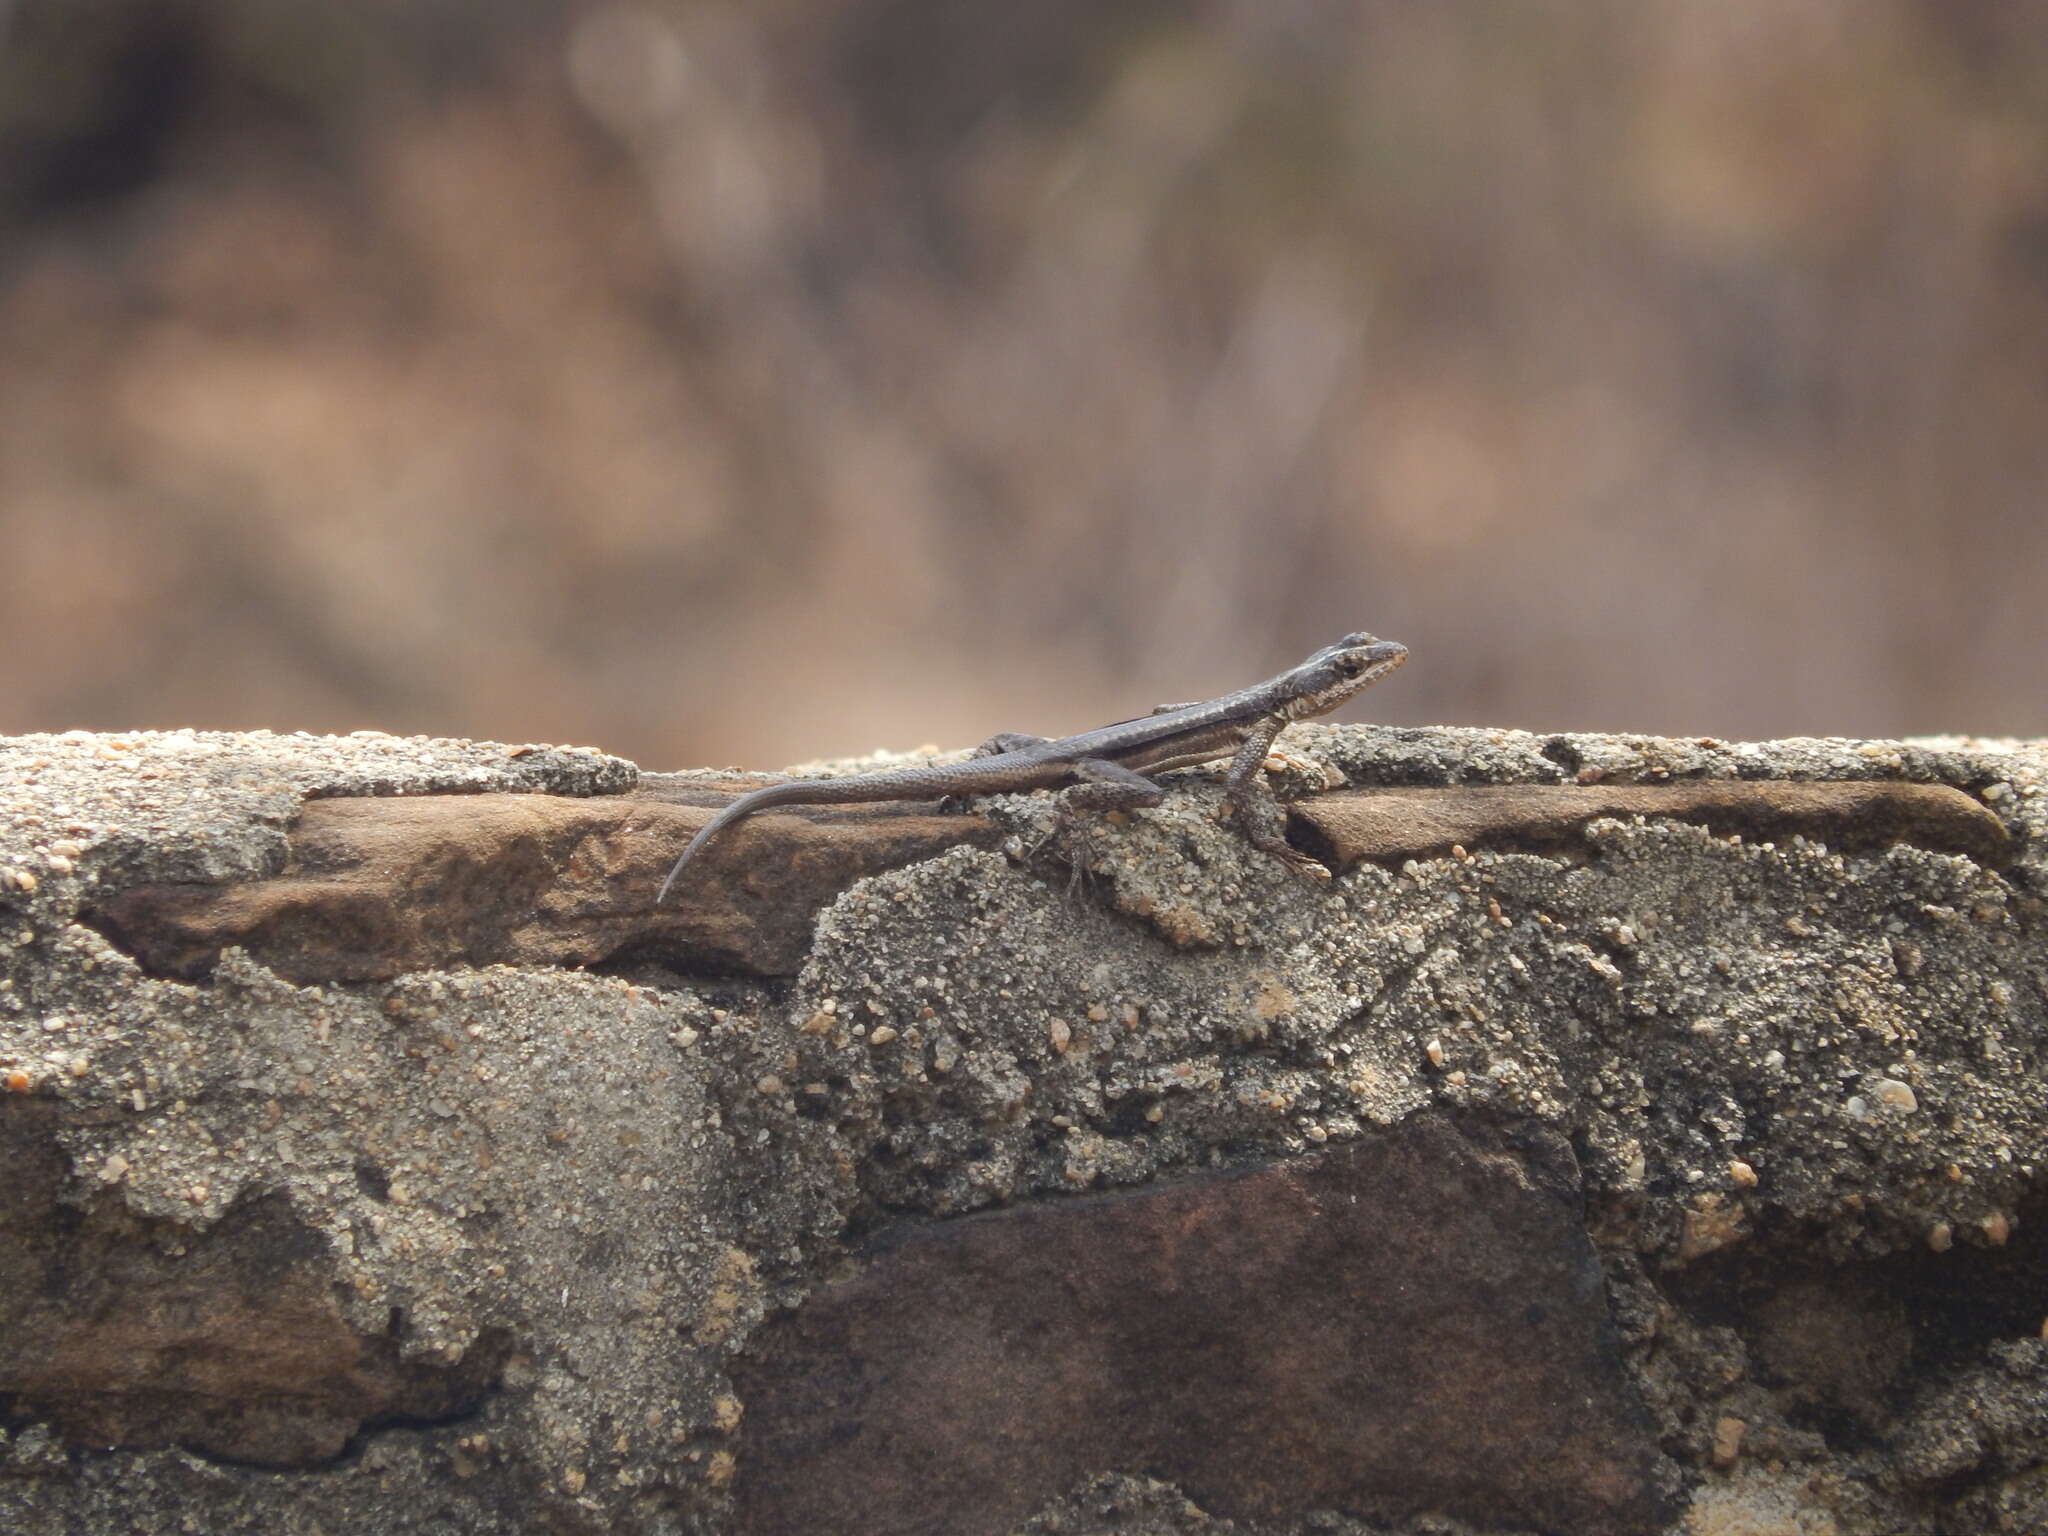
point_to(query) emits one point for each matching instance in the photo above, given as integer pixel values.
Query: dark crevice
(1846, 1345)
(1305, 836)
(373, 1181)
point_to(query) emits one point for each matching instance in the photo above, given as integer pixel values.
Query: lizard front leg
(1259, 815)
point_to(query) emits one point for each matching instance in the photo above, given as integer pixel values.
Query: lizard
(1106, 769)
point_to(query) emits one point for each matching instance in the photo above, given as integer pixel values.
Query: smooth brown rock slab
(1414, 1322)
(1419, 823)
(376, 887)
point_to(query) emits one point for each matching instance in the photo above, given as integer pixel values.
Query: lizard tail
(797, 791)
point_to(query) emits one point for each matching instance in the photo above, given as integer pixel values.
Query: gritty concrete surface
(483, 1248)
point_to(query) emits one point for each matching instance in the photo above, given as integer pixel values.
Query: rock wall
(1636, 1136)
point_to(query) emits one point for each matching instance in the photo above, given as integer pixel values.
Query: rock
(373, 888)
(1413, 1322)
(231, 1343)
(378, 1159)
(1420, 823)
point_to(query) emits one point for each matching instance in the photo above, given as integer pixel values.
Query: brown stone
(1413, 1322)
(229, 1341)
(1353, 825)
(376, 887)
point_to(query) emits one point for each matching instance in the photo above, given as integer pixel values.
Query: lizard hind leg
(1103, 786)
(995, 746)
(1007, 741)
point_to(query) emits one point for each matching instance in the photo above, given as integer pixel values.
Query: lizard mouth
(1379, 657)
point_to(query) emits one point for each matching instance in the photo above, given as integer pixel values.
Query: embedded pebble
(1893, 1094)
(1728, 1431)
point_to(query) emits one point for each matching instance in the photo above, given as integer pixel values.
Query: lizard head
(1338, 671)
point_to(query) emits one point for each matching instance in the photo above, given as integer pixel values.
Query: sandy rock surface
(1637, 1136)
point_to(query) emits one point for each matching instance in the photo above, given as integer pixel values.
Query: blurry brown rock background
(750, 382)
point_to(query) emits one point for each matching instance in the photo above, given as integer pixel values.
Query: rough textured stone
(510, 1235)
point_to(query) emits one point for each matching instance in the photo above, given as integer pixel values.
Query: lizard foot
(1068, 842)
(1302, 864)
(1264, 824)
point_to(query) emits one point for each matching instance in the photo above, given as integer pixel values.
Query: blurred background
(752, 382)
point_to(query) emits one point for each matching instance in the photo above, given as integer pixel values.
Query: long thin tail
(796, 791)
